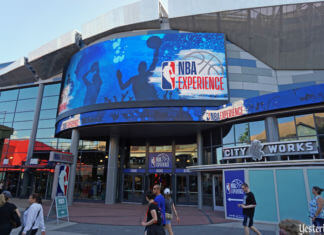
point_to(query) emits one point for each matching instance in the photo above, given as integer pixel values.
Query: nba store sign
(192, 78)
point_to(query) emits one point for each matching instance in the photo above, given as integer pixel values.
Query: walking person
(153, 223)
(169, 206)
(9, 214)
(316, 209)
(33, 216)
(159, 199)
(248, 206)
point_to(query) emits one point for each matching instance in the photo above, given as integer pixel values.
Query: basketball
(154, 42)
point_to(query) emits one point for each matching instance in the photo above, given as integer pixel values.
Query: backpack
(159, 216)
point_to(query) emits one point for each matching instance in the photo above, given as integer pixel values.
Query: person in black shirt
(153, 225)
(8, 213)
(248, 206)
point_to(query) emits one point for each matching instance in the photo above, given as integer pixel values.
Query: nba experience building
(197, 98)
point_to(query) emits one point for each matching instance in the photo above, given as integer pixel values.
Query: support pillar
(74, 150)
(112, 171)
(272, 130)
(200, 162)
(30, 151)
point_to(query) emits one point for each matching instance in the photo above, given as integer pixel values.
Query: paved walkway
(65, 228)
(124, 219)
(128, 214)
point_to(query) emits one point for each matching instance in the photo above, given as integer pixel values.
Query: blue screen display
(270, 102)
(147, 70)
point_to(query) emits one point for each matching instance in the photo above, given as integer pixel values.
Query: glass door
(218, 192)
(182, 189)
(133, 187)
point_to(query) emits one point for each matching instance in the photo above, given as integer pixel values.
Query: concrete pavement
(71, 228)
(124, 219)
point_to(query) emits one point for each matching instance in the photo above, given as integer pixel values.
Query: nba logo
(228, 188)
(168, 75)
(63, 180)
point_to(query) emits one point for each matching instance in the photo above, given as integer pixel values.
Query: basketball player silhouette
(140, 83)
(93, 85)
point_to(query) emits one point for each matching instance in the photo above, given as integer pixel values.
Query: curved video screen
(163, 69)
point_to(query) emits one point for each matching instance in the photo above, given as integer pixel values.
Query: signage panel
(61, 157)
(61, 207)
(258, 150)
(234, 194)
(161, 160)
(61, 180)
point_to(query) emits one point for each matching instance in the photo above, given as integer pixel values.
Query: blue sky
(27, 25)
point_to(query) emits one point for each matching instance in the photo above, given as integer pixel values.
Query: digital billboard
(270, 102)
(163, 69)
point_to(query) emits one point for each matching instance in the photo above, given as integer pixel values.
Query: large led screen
(169, 69)
(260, 104)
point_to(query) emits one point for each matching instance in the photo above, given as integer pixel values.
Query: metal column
(74, 150)
(272, 131)
(200, 162)
(112, 171)
(32, 138)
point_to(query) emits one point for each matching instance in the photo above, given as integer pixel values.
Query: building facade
(194, 100)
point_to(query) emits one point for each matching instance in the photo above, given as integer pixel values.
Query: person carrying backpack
(153, 223)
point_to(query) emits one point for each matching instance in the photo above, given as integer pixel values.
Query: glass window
(7, 117)
(186, 155)
(64, 144)
(42, 144)
(257, 131)
(45, 133)
(47, 114)
(30, 92)
(25, 116)
(22, 134)
(8, 107)
(23, 125)
(242, 133)
(50, 102)
(287, 128)
(319, 119)
(207, 159)
(137, 157)
(8, 124)
(228, 135)
(46, 123)
(305, 125)
(218, 154)
(157, 149)
(26, 105)
(8, 95)
(53, 89)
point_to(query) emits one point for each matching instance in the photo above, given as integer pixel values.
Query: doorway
(218, 194)
(163, 179)
(133, 187)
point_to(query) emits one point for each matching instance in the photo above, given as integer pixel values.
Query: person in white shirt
(34, 216)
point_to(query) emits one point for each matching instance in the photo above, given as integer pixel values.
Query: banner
(61, 180)
(234, 193)
(160, 160)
